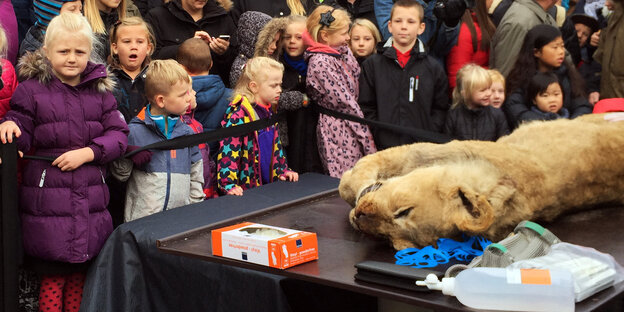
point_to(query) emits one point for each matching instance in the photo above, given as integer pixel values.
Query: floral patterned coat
(238, 161)
(332, 82)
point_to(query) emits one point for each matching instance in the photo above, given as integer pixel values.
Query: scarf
(299, 65)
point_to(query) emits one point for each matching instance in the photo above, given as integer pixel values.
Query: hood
(249, 25)
(34, 65)
(265, 37)
(210, 90)
(316, 47)
(418, 50)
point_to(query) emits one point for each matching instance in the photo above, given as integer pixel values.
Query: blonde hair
(368, 25)
(225, 4)
(256, 69)
(68, 24)
(296, 8)
(341, 20)
(496, 76)
(161, 75)
(470, 78)
(113, 60)
(92, 13)
(3, 42)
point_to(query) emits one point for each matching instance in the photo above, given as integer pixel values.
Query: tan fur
(541, 170)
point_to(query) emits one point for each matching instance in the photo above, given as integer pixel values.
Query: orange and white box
(264, 244)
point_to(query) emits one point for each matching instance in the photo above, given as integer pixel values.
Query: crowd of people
(94, 80)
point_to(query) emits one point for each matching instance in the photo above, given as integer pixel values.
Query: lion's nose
(359, 213)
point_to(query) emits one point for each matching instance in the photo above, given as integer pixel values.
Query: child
(102, 15)
(65, 110)
(132, 44)
(543, 51)
(44, 12)
(270, 38)
(472, 117)
(212, 95)
(498, 88)
(249, 25)
(171, 178)
(8, 79)
(364, 38)
(298, 133)
(256, 158)
(332, 83)
(545, 93)
(403, 85)
(208, 105)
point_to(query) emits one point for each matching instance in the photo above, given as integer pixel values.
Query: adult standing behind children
(178, 20)
(273, 8)
(332, 82)
(102, 15)
(610, 54)
(170, 178)
(64, 110)
(521, 16)
(403, 85)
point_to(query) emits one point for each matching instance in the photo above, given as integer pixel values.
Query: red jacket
(9, 79)
(462, 53)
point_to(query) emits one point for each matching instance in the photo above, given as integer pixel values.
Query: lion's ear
(476, 213)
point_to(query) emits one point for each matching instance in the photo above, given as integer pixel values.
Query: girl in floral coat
(332, 82)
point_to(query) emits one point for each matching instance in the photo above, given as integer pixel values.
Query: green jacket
(609, 54)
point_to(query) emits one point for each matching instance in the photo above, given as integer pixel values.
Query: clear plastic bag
(592, 270)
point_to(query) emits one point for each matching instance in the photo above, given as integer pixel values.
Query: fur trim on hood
(34, 65)
(265, 37)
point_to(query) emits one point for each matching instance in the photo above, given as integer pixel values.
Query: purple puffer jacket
(63, 214)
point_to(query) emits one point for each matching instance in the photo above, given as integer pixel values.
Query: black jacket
(273, 8)
(484, 123)
(518, 108)
(385, 90)
(173, 25)
(130, 94)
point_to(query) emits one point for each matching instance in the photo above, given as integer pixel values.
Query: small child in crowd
(209, 91)
(471, 116)
(332, 82)
(364, 39)
(8, 78)
(498, 88)
(44, 11)
(546, 95)
(169, 178)
(132, 44)
(102, 15)
(64, 110)
(543, 50)
(256, 158)
(403, 85)
(212, 96)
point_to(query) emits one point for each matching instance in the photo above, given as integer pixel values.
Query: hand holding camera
(449, 11)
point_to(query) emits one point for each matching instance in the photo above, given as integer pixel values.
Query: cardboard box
(264, 244)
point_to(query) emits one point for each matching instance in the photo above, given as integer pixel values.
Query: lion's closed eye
(403, 212)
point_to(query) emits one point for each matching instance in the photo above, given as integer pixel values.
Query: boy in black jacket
(403, 85)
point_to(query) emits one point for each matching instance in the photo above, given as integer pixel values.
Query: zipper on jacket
(168, 181)
(411, 89)
(102, 175)
(43, 175)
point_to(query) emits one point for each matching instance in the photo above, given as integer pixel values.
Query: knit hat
(46, 10)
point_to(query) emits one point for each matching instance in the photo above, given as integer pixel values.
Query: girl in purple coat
(64, 110)
(332, 82)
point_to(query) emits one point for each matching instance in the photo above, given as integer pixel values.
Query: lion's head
(432, 202)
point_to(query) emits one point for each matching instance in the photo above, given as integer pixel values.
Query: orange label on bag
(535, 276)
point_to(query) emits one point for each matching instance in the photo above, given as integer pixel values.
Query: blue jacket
(171, 179)
(213, 99)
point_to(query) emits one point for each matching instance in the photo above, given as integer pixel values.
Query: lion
(415, 194)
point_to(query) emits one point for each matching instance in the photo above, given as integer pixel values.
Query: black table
(132, 274)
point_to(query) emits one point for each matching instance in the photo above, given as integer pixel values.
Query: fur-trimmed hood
(34, 65)
(265, 37)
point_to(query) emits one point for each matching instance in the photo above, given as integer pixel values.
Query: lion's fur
(540, 171)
